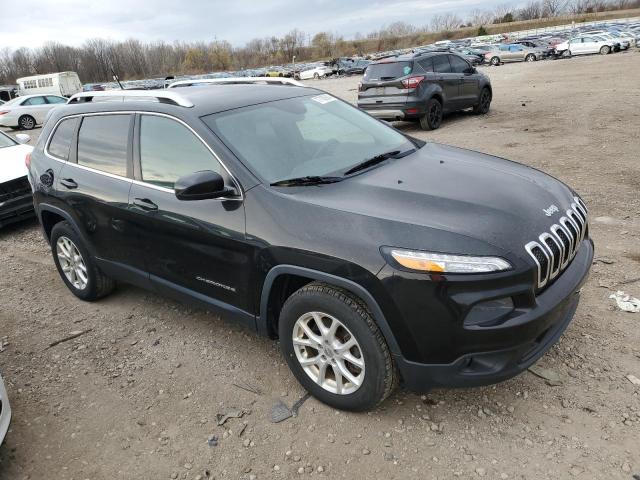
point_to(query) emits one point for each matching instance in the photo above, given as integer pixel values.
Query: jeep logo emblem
(550, 210)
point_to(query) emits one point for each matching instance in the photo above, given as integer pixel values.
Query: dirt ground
(138, 394)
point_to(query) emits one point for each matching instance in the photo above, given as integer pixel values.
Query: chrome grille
(552, 251)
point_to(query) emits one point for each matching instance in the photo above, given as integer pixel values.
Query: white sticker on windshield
(322, 99)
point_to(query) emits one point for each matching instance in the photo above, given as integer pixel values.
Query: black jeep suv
(423, 86)
(373, 257)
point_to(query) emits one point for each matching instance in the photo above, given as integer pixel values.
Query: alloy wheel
(27, 123)
(328, 353)
(72, 263)
(435, 114)
(485, 100)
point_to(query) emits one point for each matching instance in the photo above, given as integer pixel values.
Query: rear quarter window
(388, 71)
(60, 143)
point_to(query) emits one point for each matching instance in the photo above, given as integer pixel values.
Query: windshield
(304, 136)
(6, 141)
(387, 71)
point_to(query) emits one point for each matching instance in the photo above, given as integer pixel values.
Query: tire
(567, 54)
(484, 102)
(27, 122)
(530, 58)
(320, 302)
(432, 119)
(605, 50)
(97, 284)
(495, 61)
(316, 76)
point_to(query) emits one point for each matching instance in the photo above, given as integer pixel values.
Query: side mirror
(23, 138)
(201, 186)
(471, 71)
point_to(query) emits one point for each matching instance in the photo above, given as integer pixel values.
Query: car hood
(490, 199)
(12, 164)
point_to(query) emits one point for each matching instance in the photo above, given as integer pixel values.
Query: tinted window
(388, 71)
(102, 143)
(52, 99)
(34, 101)
(441, 64)
(169, 150)
(458, 65)
(426, 64)
(62, 138)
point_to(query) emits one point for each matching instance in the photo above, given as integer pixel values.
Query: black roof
(206, 99)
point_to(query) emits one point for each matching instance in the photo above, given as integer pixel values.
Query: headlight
(445, 263)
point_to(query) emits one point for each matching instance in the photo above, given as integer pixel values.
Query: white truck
(62, 83)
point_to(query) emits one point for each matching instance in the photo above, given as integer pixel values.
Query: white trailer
(62, 83)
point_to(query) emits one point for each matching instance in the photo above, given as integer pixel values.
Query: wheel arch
(50, 215)
(282, 280)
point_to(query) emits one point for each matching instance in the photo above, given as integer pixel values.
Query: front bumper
(502, 351)
(16, 209)
(5, 411)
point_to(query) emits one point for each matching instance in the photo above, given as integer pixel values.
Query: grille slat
(555, 250)
(14, 189)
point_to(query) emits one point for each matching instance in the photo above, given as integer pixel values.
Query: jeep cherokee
(373, 257)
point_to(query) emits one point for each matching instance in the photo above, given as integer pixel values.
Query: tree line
(97, 58)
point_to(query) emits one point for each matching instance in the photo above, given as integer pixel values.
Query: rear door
(382, 84)
(449, 81)
(95, 186)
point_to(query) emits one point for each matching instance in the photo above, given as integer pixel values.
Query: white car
(5, 411)
(625, 42)
(29, 111)
(584, 45)
(316, 72)
(16, 201)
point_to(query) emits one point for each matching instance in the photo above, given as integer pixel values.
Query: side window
(504, 48)
(458, 65)
(34, 101)
(441, 64)
(426, 64)
(62, 138)
(169, 150)
(53, 99)
(103, 143)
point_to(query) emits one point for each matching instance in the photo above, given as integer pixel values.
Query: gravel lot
(137, 395)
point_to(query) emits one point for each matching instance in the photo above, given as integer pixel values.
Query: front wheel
(334, 348)
(316, 76)
(76, 266)
(484, 102)
(495, 61)
(605, 50)
(432, 119)
(530, 58)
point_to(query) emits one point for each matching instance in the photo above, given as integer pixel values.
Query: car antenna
(115, 77)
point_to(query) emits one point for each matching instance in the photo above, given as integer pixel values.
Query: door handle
(69, 183)
(145, 204)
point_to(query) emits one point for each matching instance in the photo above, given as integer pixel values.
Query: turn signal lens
(445, 263)
(27, 160)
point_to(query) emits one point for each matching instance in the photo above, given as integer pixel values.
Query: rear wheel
(566, 53)
(605, 50)
(76, 266)
(335, 349)
(495, 61)
(530, 58)
(484, 102)
(27, 122)
(432, 119)
(316, 76)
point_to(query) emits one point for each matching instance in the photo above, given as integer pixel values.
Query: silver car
(513, 53)
(5, 411)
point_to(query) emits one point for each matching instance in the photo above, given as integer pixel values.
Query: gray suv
(423, 86)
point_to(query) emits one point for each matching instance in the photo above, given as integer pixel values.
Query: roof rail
(161, 96)
(236, 81)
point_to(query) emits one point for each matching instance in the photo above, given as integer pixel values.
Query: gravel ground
(137, 395)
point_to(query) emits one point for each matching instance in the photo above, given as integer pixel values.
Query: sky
(72, 22)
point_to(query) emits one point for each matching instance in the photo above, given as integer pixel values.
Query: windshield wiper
(370, 162)
(303, 181)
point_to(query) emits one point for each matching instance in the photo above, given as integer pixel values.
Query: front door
(194, 248)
